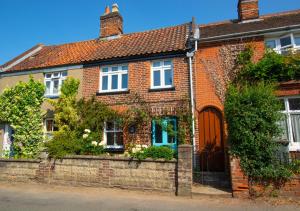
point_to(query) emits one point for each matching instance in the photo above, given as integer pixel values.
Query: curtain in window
(296, 127)
(283, 125)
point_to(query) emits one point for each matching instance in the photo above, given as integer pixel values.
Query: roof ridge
(270, 15)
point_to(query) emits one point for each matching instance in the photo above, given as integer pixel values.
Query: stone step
(208, 191)
(215, 179)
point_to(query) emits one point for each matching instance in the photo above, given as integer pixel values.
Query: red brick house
(158, 66)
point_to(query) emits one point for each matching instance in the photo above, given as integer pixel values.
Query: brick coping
(92, 157)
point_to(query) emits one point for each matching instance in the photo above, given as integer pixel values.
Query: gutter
(250, 33)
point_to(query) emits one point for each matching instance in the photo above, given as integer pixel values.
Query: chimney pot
(107, 10)
(115, 8)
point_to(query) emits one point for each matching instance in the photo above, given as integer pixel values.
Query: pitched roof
(164, 40)
(235, 28)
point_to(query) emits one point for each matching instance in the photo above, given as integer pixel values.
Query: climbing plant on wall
(20, 106)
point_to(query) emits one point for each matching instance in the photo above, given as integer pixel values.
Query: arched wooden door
(211, 144)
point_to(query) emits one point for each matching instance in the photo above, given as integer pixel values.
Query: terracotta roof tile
(162, 40)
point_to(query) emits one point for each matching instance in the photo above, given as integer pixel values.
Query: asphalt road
(25, 197)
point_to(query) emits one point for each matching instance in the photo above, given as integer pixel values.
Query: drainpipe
(190, 55)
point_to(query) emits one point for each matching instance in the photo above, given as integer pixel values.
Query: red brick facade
(139, 83)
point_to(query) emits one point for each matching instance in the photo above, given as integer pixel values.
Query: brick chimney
(111, 23)
(248, 10)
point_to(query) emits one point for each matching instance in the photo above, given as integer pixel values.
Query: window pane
(48, 75)
(294, 103)
(109, 126)
(296, 127)
(64, 74)
(48, 84)
(110, 138)
(55, 86)
(114, 82)
(124, 67)
(49, 125)
(119, 138)
(156, 78)
(56, 75)
(168, 77)
(105, 69)
(124, 81)
(271, 44)
(284, 127)
(171, 137)
(104, 82)
(114, 68)
(167, 63)
(285, 41)
(156, 64)
(158, 134)
(297, 41)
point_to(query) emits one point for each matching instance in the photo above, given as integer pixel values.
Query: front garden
(81, 123)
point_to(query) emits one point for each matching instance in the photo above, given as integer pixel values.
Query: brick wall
(106, 171)
(243, 188)
(139, 83)
(207, 80)
(18, 170)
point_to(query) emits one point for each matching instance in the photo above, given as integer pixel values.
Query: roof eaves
(21, 57)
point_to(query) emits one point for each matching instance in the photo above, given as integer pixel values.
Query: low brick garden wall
(242, 188)
(173, 176)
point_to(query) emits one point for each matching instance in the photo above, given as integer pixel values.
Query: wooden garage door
(211, 140)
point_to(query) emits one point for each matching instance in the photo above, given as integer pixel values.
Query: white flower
(101, 143)
(87, 131)
(95, 143)
(84, 136)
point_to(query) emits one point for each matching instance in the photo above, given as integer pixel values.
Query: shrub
(155, 152)
(252, 113)
(64, 143)
(20, 106)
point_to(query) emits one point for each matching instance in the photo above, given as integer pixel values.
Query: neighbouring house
(160, 66)
(116, 68)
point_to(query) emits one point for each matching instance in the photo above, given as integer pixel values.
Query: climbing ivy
(20, 106)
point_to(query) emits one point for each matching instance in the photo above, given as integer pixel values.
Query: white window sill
(111, 92)
(51, 96)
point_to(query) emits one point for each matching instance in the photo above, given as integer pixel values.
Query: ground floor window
(50, 127)
(291, 123)
(6, 139)
(164, 132)
(113, 135)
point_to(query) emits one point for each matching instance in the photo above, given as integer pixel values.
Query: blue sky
(24, 23)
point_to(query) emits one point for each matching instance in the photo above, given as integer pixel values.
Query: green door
(161, 136)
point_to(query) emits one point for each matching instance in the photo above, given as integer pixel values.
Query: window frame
(109, 75)
(115, 130)
(293, 146)
(60, 77)
(279, 48)
(162, 68)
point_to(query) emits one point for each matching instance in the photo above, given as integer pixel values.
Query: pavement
(36, 197)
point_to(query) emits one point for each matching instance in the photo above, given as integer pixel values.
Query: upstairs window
(114, 78)
(53, 83)
(291, 122)
(284, 44)
(162, 74)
